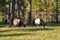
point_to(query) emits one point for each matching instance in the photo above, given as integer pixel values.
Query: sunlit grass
(30, 33)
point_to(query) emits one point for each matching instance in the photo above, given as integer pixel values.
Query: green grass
(30, 33)
(50, 32)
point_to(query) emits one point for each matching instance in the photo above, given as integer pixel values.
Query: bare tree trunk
(13, 9)
(8, 18)
(18, 8)
(56, 11)
(12, 15)
(30, 13)
(22, 2)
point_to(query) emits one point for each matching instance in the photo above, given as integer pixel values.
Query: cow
(15, 22)
(38, 21)
(18, 22)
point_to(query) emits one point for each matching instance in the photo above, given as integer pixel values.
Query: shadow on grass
(21, 34)
(2, 24)
(53, 24)
(5, 30)
(49, 24)
(39, 29)
(24, 30)
(27, 29)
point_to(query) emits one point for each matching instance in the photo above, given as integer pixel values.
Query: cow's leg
(33, 23)
(24, 25)
(43, 24)
(11, 23)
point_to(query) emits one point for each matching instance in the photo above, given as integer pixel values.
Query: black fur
(21, 24)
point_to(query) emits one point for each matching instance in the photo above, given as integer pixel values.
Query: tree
(12, 14)
(8, 18)
(22, 9)
(52, 8)
(30, 12)
(18, 7)
(3, 8)
(13, 9)
(56, 11)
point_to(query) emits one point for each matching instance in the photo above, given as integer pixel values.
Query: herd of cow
(19, 22)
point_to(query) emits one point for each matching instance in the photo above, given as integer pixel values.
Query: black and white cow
(15, 22)
(38, 21)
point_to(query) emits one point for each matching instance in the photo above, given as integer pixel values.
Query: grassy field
(50, 32)
(30, 33)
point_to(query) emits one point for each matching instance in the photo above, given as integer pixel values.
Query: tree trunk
(18, 8)
(12, 15)
(13, 9)
(56, 11)
(30, 13)
(22, 2)
(8, 11)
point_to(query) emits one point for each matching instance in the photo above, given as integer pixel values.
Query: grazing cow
(15, 22)
(38, 21)
(18, 22)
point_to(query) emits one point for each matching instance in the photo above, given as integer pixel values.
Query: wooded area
(48, 10)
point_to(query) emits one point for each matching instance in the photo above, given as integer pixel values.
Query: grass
(50, 32)
(30, 33)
